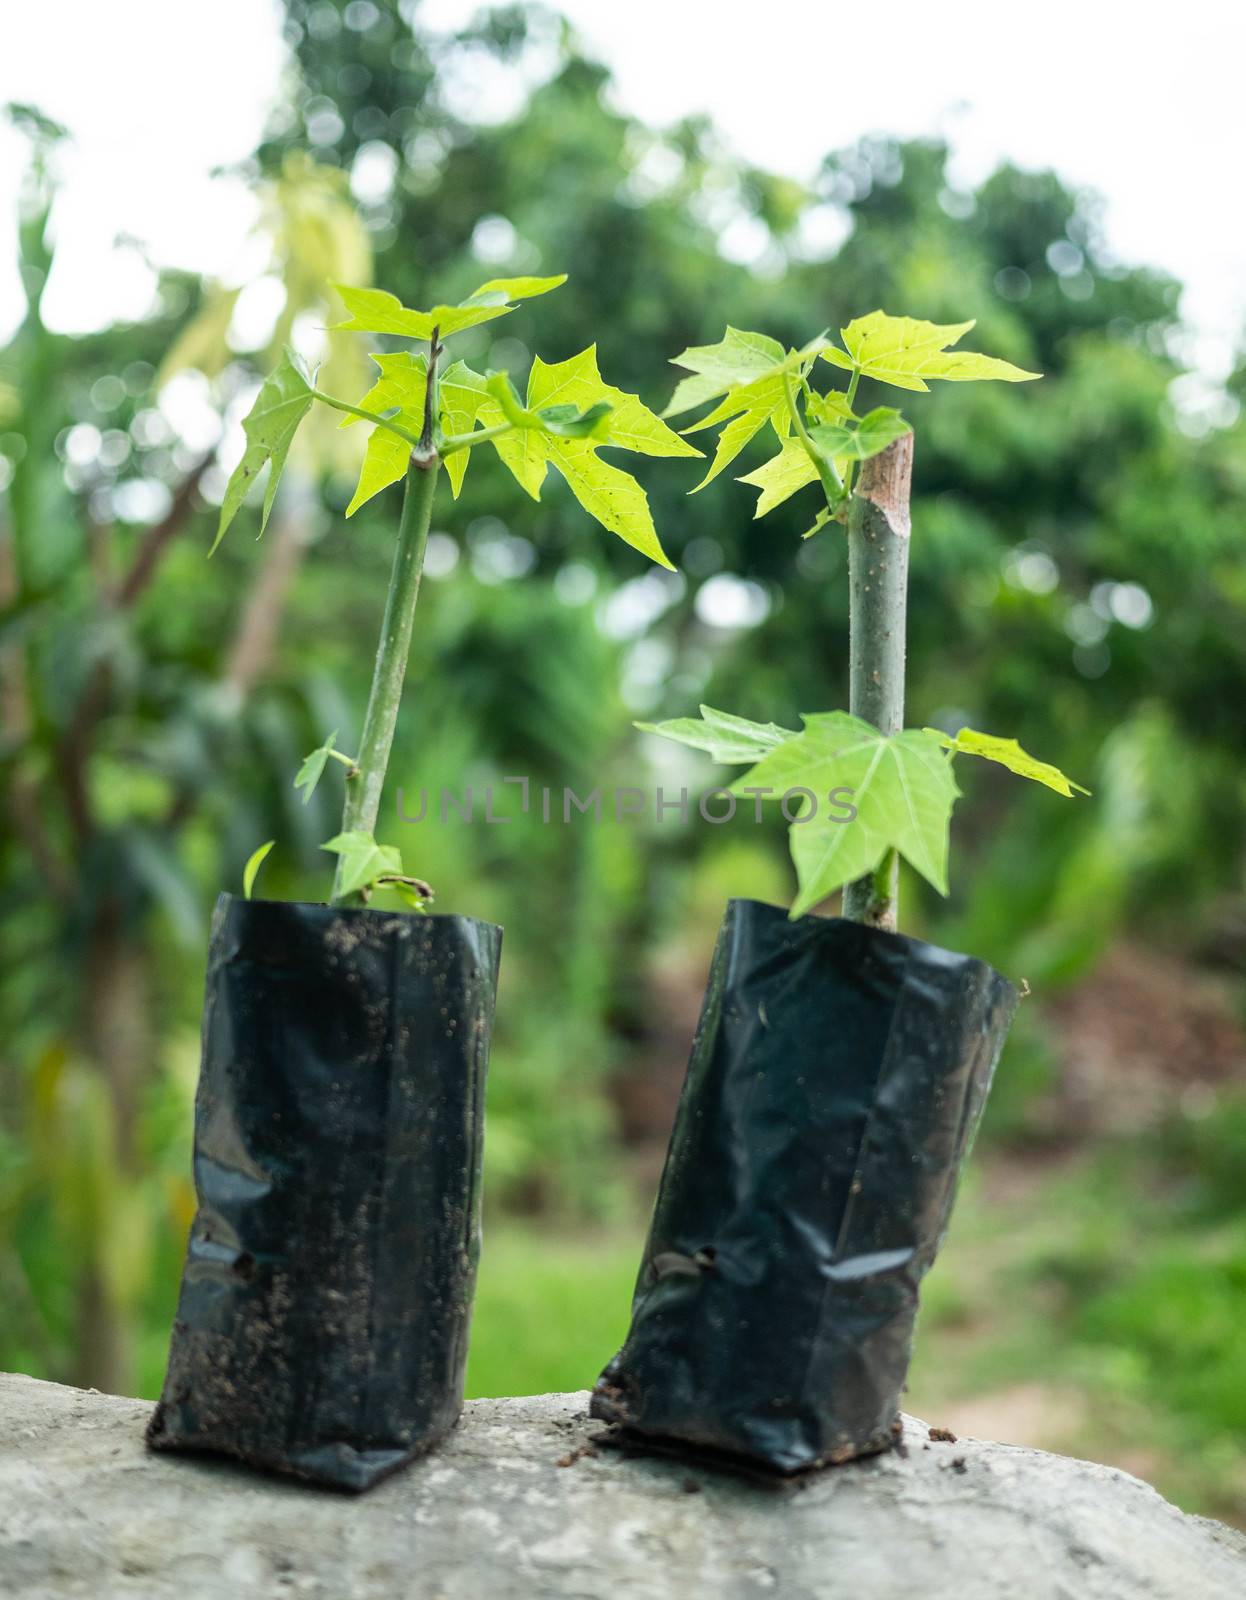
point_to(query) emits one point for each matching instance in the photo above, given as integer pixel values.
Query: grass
(550, 1310)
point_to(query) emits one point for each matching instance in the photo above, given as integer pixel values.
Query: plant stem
(363, 792)
(878, 568)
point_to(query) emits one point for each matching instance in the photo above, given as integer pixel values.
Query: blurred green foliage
(1077, 580)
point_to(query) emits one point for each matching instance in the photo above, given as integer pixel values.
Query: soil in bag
(325, 1303)
(836, 1080)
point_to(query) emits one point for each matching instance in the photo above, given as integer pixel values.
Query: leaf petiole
(465, 441)
(368, 416)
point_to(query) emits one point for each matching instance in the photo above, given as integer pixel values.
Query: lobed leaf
(312, 770)
(285, 398)
(570, 443)
(876, 430)
(738, 361)
(378, 311)
(725, 737)
(781, 476)
(738, 358)
(905, 352)
(578, 382)
(363, 860)
(903, 791)
(609, 495)
(461, 393)
(399, 392)
(1008, 753)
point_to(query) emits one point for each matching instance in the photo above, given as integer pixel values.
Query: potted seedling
(324, 1310)
(840, 1068)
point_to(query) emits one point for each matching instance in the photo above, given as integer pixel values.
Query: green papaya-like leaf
(749, 407)
(254, 862)
(377, 311)
(725, 737)
(829, 407)
(400, 388)
(399, 392)
(577, 381)
(870, 437)
(751, 372)
(737, 359)
(461, 393)
(312, 770)
(607, 493)
(902, 787)
(905, 352)
(1008, 753)
(363, 860)
(285, 398)
(781, 476)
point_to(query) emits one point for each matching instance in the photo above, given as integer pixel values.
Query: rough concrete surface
(518, 1503)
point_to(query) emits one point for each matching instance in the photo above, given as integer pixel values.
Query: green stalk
(369, 416)
(363, 790)
(878, 572)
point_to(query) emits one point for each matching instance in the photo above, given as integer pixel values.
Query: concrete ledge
(519, 1505)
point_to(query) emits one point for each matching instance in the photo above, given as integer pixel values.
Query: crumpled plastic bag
(326, 1299)
(835, 1084)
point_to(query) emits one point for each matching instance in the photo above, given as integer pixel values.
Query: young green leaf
(312, 770)
(1008, 753)
(905, 352)
(399, 392)
(285, 398)
(400, 387)
(781, 476)
(876, 430)
(726, 738)
(461, 392)
(750, 408)
(607, 493)
(416, 893)
(578, 382)
(363, 860)
(737, 359)
(829, 407)
(750, 371)
(254, 862)
(377, 311)
(903, 791)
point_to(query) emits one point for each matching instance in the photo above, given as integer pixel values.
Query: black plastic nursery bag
(836, 1081)
(323, 1321)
